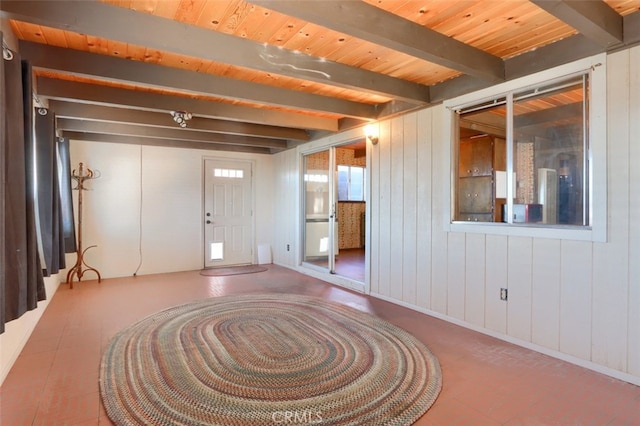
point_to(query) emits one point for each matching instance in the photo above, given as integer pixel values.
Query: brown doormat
(233, 270)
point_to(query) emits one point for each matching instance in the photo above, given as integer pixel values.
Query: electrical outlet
(503, 294)
(288, 247)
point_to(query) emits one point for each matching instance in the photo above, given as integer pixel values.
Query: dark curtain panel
(66, 200)
(35, 281)
(23, 279)
(49, 205)
(3, 185)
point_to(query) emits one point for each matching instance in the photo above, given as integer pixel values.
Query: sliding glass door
(320, 225)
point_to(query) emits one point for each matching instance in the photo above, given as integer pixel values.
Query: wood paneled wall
(286, 206)
(577, 300)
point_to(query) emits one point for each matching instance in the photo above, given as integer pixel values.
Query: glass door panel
(319, 210)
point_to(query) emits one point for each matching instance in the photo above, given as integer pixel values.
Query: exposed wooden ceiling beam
(172, 143)
(594, 19)
(143, 74)
(105, 95)
(456, 87)
(141, 29)
(631, 25)
(561, 52)
(163, 133)
(135, 116)
(370, 23)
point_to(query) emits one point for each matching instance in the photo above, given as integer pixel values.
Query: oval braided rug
(265, 360)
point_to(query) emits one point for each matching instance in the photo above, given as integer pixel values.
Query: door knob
(208, 222)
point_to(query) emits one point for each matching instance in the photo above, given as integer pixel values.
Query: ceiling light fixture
(181, 117)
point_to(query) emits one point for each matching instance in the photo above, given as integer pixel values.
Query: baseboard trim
(590, 365)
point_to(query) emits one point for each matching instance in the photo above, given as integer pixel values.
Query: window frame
(595, 66)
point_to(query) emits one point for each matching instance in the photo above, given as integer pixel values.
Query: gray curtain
(22, 278)
(51, 225)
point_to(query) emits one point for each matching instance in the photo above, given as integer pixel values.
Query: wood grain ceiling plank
(213, 13)
(489, 19)
(261, 24)
(189, 11)
(289, 29)
(513, 27)
(234, 17)
(139, 28)
(430, 13)
(28, 31)
(377, 26)
(54, 36)
(75, 40)
(135, 53)
(16, 28)
(183, 62)
(538, 38)
(326, 43)
(164, 8)
(97, 45)
(299, 41)
(117, 48)
(491, 24)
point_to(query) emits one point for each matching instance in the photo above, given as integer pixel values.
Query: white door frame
(252, 231)
(322, 273)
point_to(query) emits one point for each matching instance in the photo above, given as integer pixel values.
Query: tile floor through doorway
(485, 381)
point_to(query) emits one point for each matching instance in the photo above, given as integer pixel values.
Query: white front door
(228, 213)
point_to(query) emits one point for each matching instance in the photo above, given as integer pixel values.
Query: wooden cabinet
(478, 159)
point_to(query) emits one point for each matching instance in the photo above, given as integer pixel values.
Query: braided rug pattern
(266, 360)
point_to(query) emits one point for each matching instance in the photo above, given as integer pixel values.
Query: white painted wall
(286, 245)
(17, 332)
(156, 190)
(576, 300)
(150, 200)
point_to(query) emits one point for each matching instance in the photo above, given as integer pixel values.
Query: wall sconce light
(181, 117)
(371, 132)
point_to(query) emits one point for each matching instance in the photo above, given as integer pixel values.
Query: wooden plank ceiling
(264, 75)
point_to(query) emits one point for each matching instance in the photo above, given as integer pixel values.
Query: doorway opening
(335, 210)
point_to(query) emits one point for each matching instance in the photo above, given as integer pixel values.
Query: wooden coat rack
(81, 266)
